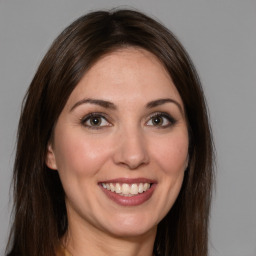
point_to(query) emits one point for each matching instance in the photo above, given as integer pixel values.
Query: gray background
(221, 39)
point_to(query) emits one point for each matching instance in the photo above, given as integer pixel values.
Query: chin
(132, 232)
(132, 226)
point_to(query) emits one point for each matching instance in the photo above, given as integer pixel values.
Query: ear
(50, 160)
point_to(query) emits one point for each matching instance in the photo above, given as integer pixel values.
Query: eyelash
(89, 118)
(171, 121)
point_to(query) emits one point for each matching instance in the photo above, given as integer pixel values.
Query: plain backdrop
(220, 36)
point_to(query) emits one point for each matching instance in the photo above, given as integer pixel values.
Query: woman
(114, 152)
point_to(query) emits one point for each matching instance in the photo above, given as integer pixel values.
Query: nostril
(131, 150)
(132, 165)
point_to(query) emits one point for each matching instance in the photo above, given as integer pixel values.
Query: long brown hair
(40, 217)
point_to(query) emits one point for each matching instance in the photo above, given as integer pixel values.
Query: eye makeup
(95, 120)
(99, 120)
(161, 120)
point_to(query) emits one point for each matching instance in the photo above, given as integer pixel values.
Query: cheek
(171, 154)
(78, 154)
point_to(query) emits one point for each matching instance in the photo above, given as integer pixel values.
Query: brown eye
(94, 120)
(161, 120)
(157, 120)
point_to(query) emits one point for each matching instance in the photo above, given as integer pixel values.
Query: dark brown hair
(40, 217)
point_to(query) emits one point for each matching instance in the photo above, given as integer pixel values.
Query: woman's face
(121, 145)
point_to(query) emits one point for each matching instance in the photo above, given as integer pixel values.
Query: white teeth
(146, 186)
(134, 189)
(112, 188)
(118, 189)
(126, 189)
(141, 188)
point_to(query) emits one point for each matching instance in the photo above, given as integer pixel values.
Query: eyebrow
(110, 105)
(155, 103)
(102, 103)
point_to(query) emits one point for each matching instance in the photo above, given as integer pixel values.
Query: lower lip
(131, 200)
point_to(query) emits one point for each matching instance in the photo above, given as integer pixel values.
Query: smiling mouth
(127, 190)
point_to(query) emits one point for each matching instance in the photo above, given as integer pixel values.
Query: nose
(131, 150)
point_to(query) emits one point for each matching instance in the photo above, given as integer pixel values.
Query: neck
(87, 240)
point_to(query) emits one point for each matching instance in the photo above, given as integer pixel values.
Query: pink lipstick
(128, 192)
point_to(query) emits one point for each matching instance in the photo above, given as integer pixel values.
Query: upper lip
(129, 180)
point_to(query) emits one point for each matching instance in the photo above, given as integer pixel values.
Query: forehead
(126, 74)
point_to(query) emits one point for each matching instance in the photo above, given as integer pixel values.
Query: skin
(127, 144)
